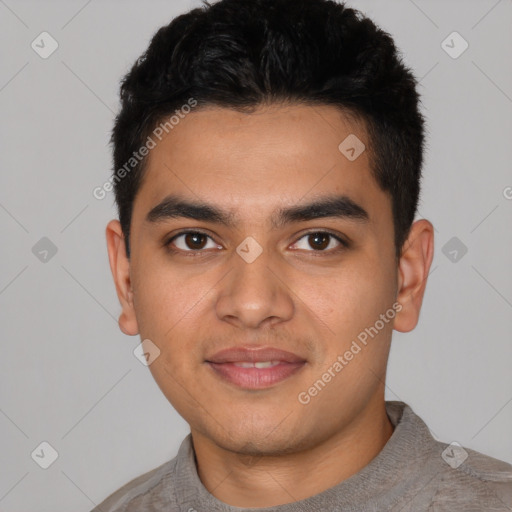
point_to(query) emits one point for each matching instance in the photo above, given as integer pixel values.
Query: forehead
(250, 162)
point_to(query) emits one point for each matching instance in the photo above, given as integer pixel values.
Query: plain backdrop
(69, 376)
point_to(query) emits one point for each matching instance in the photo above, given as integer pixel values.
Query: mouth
(255, 368)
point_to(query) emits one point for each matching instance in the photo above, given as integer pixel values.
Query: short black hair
(241, 54)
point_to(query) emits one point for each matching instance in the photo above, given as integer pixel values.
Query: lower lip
(255, 378)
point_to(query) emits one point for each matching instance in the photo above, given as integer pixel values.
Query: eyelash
(199, 252)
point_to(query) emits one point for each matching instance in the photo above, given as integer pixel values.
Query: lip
(254, 355)
(224, 364)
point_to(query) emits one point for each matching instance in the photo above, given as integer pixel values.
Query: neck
(267, 481)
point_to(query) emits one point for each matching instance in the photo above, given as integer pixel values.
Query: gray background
(68, 375)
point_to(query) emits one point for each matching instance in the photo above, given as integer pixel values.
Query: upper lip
(254, 355)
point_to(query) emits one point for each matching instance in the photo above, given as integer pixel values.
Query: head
(272, 154)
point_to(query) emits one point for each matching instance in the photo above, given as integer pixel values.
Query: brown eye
(192, 241)
(195, 240)
(321, 241)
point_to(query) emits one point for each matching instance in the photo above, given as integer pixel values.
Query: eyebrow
(341, 207)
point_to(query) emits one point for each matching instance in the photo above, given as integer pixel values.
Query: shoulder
(149, 489)
(486, 468)
(447, 477)
(470, 480)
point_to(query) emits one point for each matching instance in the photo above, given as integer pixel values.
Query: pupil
(321, 240)
(194, 240)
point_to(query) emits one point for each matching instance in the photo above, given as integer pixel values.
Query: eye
(191, 241)
(321, 241)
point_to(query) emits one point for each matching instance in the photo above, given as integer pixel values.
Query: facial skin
(262, 448)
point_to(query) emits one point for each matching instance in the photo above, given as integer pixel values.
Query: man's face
(306, 293)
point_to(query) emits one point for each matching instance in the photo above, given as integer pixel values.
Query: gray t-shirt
(412, 473)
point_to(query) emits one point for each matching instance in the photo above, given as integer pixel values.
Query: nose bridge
(253, 293)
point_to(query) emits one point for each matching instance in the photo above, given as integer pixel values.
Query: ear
(413, 269)
(120, 267)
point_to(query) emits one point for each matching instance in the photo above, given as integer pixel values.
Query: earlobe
(413, 270)
(120, 268)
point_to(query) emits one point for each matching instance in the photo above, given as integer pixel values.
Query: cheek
(152, 307)
(349, 299)
(170, 313)
(173, 311)
(163, 299)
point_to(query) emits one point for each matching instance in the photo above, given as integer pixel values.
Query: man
(267, 164)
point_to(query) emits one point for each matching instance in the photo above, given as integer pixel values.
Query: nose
(254, 294)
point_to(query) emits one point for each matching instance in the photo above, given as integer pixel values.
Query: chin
(262, 439)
